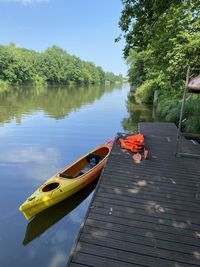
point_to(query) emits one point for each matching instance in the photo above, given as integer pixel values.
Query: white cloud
(24, 2)
(37, 163)
(29, 154)
(59, 259)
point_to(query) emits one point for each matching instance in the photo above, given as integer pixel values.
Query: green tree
(53, 66)
(162, 40)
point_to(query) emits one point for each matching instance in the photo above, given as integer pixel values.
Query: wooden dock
(145, 214)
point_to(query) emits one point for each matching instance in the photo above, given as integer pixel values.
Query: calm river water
(42, 130)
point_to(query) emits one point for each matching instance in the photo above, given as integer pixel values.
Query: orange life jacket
(133, 143)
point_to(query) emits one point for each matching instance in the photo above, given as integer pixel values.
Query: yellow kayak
(68, 181)
(48, 217)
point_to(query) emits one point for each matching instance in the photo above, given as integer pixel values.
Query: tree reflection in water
(137, 113)
(55, 102)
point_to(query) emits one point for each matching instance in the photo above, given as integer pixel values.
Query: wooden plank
(125, 256)
(139, 231)
(107, 204)
(145, 218)
(143, 249)
(159, 190)
(156, 169)
(152, 208)
(148, 201)
(156, 175)
(165, 229)
(134, 179)
(151, 191)
(149, 196)
(95, 260)
(138, 239)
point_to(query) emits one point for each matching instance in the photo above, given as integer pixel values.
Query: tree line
(162, 40)
(20, 66)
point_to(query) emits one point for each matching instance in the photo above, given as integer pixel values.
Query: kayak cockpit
(85, 164)
(50, 187)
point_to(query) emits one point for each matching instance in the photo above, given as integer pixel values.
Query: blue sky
(85, 28)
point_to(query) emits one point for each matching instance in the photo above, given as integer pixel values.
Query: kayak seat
(93, 159)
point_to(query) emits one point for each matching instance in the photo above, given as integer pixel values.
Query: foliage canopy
(162, 40)
(53, 66)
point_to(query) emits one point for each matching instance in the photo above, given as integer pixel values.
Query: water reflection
(43, 130)
(52, 215)
(137, 113)
(53, 101)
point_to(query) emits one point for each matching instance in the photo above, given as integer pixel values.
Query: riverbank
(167, 107)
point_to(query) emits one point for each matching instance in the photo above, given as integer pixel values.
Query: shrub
(144, 93)
(3, 84)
